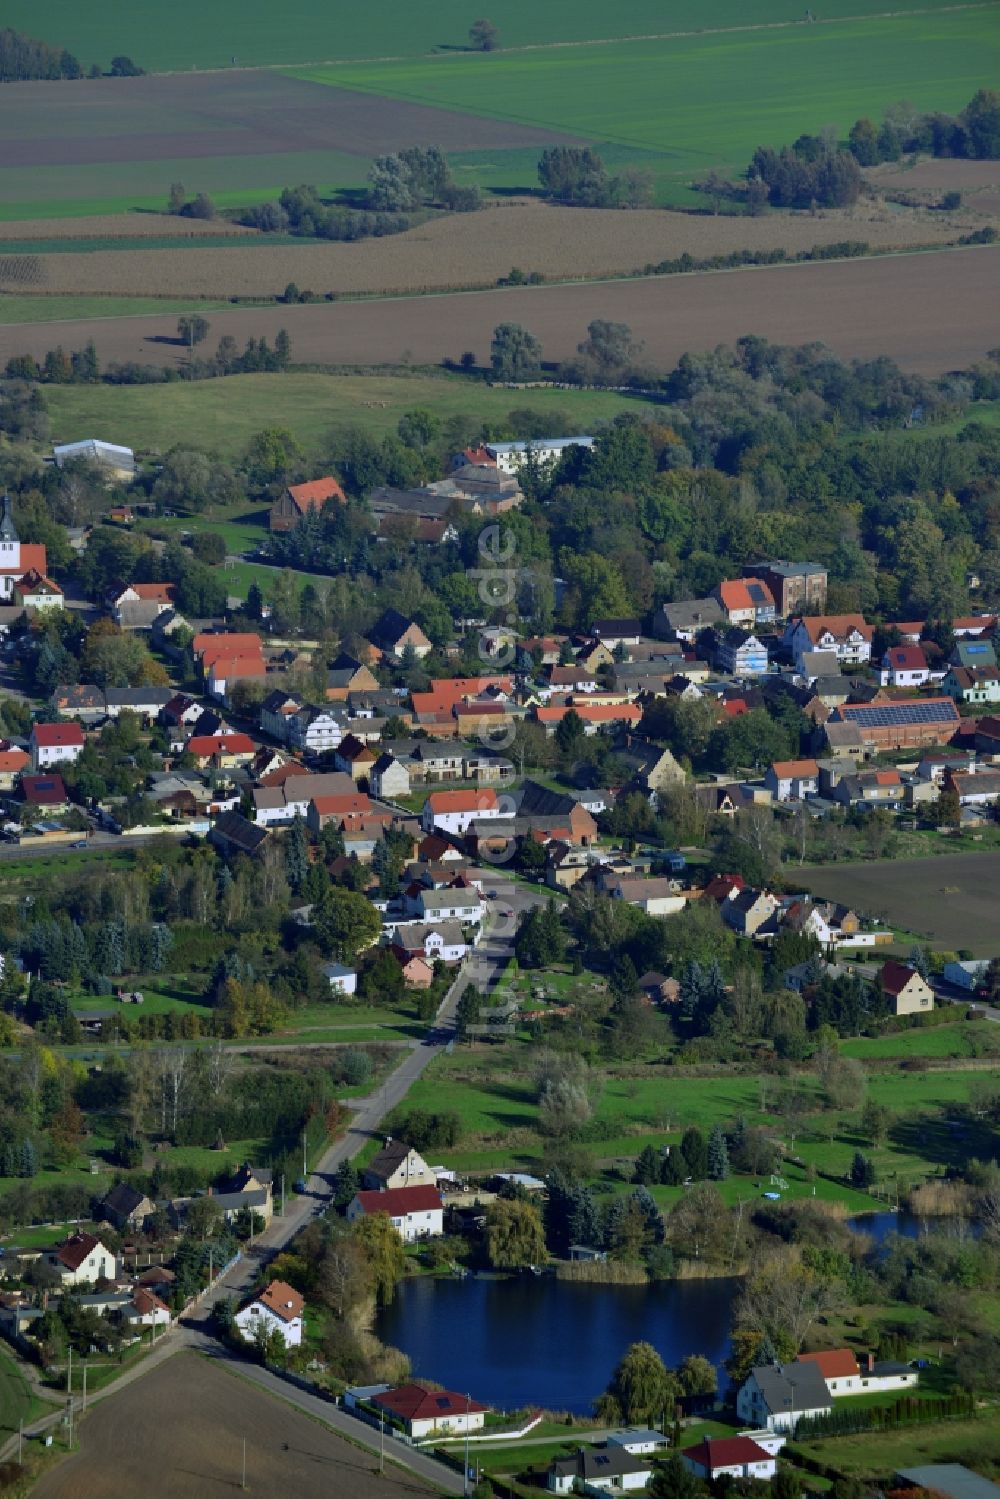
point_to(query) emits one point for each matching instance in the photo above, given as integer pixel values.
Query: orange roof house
(299, 499)
(210, 645)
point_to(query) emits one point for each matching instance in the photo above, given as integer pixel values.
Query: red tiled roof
(833, 1363)
(839, 625)
(223, 668)
(412, 1402)
(225, 744)
(343, 806)
(315, 493)
(726, 1452)
(283, 773)
(14, 759)
(399, 1201)
(45, 790)
(790, 769)
(906, 658)
(57, 735)
(160, 593)
(462, 801)
(146, 1301)
(282, 1300)
(209, 646)
(887, 778)
(33, 559)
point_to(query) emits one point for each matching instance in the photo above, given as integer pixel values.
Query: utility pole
(381, 1448)
(84, 1406)
(20, 1440)
(305, 1163)
(69, 1373)
(282, 1194)
(465, 1465)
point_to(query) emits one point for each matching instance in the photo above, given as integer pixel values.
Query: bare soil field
(226, 114)
(952, 898)
(935, 175)
(472, 250)
(931, 312)
(178, 1432)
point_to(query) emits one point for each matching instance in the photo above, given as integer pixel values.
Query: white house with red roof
(904, 666)
(81, 1260)
(741, 1457)
(416, 1212)
(279, 1309)
(37, 592)
(905, 990)
(454, 811)
(745, 601)
(427, 1413)
(55, 744)
(17, 557)
(791, 780)
(147, 1310)
(849, 635)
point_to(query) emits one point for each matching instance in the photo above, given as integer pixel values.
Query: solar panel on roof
(886, 715)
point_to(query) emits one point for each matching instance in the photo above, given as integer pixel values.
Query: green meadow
(223, 415)
(707, 100)
(187, 34)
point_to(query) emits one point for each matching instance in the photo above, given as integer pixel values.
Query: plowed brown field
(183, 116)
(179, 1431)
(931, 312)
(123, 226)
(475, 250)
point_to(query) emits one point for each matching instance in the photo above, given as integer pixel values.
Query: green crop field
(884, 1452)
(14, 309)
(223, 415)
(187, 34)
(707, 100)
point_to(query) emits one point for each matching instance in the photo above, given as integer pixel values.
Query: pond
(879, 1226)
(535, 1340)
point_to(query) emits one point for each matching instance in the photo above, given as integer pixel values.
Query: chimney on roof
(868, 1362)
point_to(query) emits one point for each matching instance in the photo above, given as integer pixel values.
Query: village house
(16, 557)
(126, 1207)
(415, 1212)
(36, 593)
(739, 652)
(341, 978)
(147, 1310)
(438, 941)
(792, 780)
(81, 1260)
(346, 676)
(739, 1457)
(598, 1471)
(509, 457)
(278, 1309)
(55, 744)
(904, 666)
(232, 833)
(248, 1189)
(775, 1397)
(870, 788)
(613, 633)
(745, 601)
(905, 990)
(393, 635)
(397, 1165)
(846, 1374)
(300, 499)
(46, 792)
(146, 703)
(976, 787)
(748, 911)
(12, 763)
(796, 587)
(220, 751)
(454, 811)
(848, 635)
(389, 777)
(972, 684)
(656, 897)
(448, 904)
(425, 1413)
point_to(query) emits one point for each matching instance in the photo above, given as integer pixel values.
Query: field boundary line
(599, 41)
(573, 281)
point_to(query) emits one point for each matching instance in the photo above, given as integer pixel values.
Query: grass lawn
(493, 1095)
(54, 309)
(187, 35)
(707, 100)
(17, 1400)
(223, 415)
(877, 1454)
(155, 1001)
(241, 529)
(964, 1039)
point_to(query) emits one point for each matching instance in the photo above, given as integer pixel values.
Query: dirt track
(474, 249)
(931, 312)
(226, 114)
(179, 1432)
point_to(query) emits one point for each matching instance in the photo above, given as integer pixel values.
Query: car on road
(491, 894)
(301, 1185)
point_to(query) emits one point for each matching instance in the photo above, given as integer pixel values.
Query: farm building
(117, 461)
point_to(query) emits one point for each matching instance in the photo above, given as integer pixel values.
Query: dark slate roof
(122, 1199)
(236, 830)
(803, 1384)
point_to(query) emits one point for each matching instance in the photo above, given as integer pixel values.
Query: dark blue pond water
(879, 1226)
(528, 1340)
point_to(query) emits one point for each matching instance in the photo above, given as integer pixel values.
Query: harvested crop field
(936, 175)
(951, 899)
(179, 1431)
(225, 114)
(931, 312)
(467, 250)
